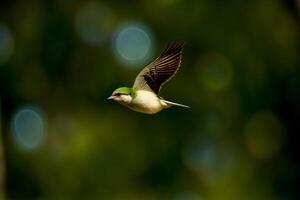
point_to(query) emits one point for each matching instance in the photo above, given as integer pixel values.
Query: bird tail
(169, 104)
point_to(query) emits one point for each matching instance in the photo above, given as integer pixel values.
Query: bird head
(123, 95)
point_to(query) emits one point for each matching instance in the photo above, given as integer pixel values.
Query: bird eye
(118, 94)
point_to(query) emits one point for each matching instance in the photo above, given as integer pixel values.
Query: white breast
(146, 102)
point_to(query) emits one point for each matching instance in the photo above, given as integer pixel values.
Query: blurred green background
(61, 138)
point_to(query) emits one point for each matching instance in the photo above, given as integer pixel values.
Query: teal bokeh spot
(133, 44)
(28, 128)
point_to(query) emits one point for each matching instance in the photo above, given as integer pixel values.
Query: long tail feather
(169, 103)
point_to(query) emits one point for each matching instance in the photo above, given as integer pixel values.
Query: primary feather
(162, 69)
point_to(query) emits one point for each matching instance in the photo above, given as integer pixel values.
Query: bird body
(143, 96)
(146, 102)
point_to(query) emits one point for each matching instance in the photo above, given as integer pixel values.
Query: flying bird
(143, 96)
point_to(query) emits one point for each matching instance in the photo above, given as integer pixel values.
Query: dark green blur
(239, 73)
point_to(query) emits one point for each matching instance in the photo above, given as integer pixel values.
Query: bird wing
(161, 70)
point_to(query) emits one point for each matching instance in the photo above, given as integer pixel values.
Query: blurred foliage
(240, 75)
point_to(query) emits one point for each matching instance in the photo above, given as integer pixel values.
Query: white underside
(146, 102)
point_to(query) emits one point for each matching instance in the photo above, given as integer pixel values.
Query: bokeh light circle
(208, 158)
(6, 44)
(94, 23)
(202, 157)
(263, 135)
(29, 128)
(215, 71)
(133, 44)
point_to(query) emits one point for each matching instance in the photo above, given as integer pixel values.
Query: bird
(143, 96)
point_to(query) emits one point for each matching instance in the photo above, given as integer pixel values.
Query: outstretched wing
(162, 69)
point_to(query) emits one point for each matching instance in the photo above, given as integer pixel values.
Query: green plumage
(126, 90)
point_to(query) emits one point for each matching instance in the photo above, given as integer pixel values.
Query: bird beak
(111, 97)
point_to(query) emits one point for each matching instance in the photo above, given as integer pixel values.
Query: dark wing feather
(162, 69)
